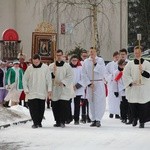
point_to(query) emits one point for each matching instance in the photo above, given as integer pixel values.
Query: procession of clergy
(80, 84)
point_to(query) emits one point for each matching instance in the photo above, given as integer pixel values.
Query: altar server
(113, 101)
(62, 89)
(37, 86)
(136, 78)
(78, 87)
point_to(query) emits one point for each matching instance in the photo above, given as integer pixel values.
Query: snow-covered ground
(113, 135)
(13, 114)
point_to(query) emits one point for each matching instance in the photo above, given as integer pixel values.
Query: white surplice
(65, 75)
(140, 93)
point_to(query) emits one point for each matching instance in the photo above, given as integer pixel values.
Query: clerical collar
(136, 61)
(39, 66)
(60, 64)
(120, 69)
(73, 66)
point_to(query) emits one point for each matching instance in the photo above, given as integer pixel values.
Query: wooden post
(139, 44)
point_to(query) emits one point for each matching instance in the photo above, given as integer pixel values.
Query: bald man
(94, 72)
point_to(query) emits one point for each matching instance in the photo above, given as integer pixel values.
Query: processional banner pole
(139, 37)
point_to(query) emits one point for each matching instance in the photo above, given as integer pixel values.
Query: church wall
(7, 16)
(24, 15)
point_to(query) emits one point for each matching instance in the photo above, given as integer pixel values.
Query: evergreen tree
(139, 22)
(77, 51)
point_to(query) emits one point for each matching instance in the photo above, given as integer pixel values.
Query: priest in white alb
(94, 72)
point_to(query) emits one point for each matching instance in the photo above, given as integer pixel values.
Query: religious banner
(44, 42)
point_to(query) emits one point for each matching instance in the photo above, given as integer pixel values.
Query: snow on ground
(13, 114)
(113, 135)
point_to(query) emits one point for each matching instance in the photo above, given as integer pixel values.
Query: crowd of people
(79, 86)
(128, 86)
(11, 87)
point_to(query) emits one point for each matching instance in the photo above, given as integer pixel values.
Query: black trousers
(130, 117)
(70, 117)
(124, 108)
(36, 108)
(60, 110)
(141, 111)
(85, 108)
(77, 100)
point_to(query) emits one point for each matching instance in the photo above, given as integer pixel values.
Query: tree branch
(82, 20)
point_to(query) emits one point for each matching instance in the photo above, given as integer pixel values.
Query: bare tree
(93, 7)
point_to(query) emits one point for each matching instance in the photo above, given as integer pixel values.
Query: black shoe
(98, 124)
(124, 121)
(88, 120)
(141, 125)
(67, 122)
(93, 124)
(62, 125)
(134, 122)
(40, 125)
(83, 120)
(129, 122)
(6, 104)
(34, 126)
(117, 116)
(76, 122)
(111, 116)
(56, 125)
(26, 104)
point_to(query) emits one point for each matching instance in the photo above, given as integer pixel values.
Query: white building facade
(24, 15)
